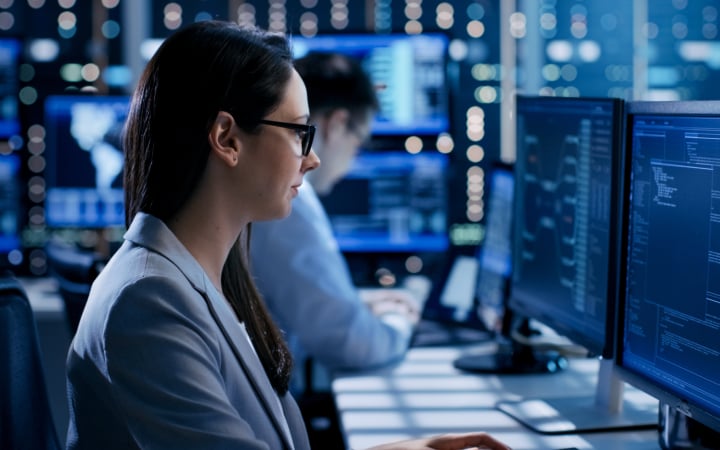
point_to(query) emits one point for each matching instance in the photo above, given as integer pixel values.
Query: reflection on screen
(672, 297)
(391, 202)
(410, 69)
(85, 161)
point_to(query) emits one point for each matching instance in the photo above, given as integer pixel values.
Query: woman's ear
(223, 138)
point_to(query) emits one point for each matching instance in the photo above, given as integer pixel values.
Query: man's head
(342, 103)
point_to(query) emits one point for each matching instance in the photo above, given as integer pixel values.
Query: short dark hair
(333, 81)
(197, 72)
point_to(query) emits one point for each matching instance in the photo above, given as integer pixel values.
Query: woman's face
(275, 167)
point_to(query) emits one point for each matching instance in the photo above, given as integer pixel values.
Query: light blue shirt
(309, 290)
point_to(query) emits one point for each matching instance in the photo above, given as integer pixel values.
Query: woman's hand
(448, 442)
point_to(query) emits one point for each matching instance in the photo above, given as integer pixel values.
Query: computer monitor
(568, 170)
(410, 71)
(495, 253)
(473, 286)
(466, 302)
(10, 207)
(567, 174)
(10, 51)
(669, 310)
(391, 202)
(84, 161)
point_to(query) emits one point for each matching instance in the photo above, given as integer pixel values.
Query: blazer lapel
(244, 352)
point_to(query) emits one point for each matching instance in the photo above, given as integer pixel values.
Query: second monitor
(669, 327)
(565, 251)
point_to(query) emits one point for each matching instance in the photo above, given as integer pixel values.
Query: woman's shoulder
(139, 282)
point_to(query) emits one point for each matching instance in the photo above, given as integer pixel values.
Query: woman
(175, 348)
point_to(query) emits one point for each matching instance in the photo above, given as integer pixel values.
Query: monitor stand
(606, 410)
(512, 357)
(678, 431)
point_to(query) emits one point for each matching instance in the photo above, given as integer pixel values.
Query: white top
(283, 421)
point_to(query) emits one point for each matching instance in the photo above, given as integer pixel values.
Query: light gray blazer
(159, 360)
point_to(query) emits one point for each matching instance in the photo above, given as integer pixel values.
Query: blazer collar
(152, 233)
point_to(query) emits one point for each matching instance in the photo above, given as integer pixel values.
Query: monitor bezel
(532, 308)
(690, 108)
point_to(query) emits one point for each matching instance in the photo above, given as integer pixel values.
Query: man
(298, 267)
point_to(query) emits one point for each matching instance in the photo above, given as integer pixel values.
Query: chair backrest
(25, 416)
(75, 270)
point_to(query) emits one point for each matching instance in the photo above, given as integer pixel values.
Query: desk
(425, 395)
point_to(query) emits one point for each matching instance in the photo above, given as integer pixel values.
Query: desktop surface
(425, 395)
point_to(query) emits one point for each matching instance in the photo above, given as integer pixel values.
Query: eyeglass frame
(306, 140)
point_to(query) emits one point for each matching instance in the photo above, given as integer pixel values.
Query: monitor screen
(10, 242)
(495, 253)
(391, 202)
(84, 161)
(470, 290)
(10, 50)
(410, 71)
(669, 333)
(567, 171)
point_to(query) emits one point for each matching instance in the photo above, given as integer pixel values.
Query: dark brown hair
(203, 69)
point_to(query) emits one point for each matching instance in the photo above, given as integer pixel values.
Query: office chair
(74, 269)
(25, 416)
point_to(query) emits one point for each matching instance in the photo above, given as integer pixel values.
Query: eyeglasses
(306, 133)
